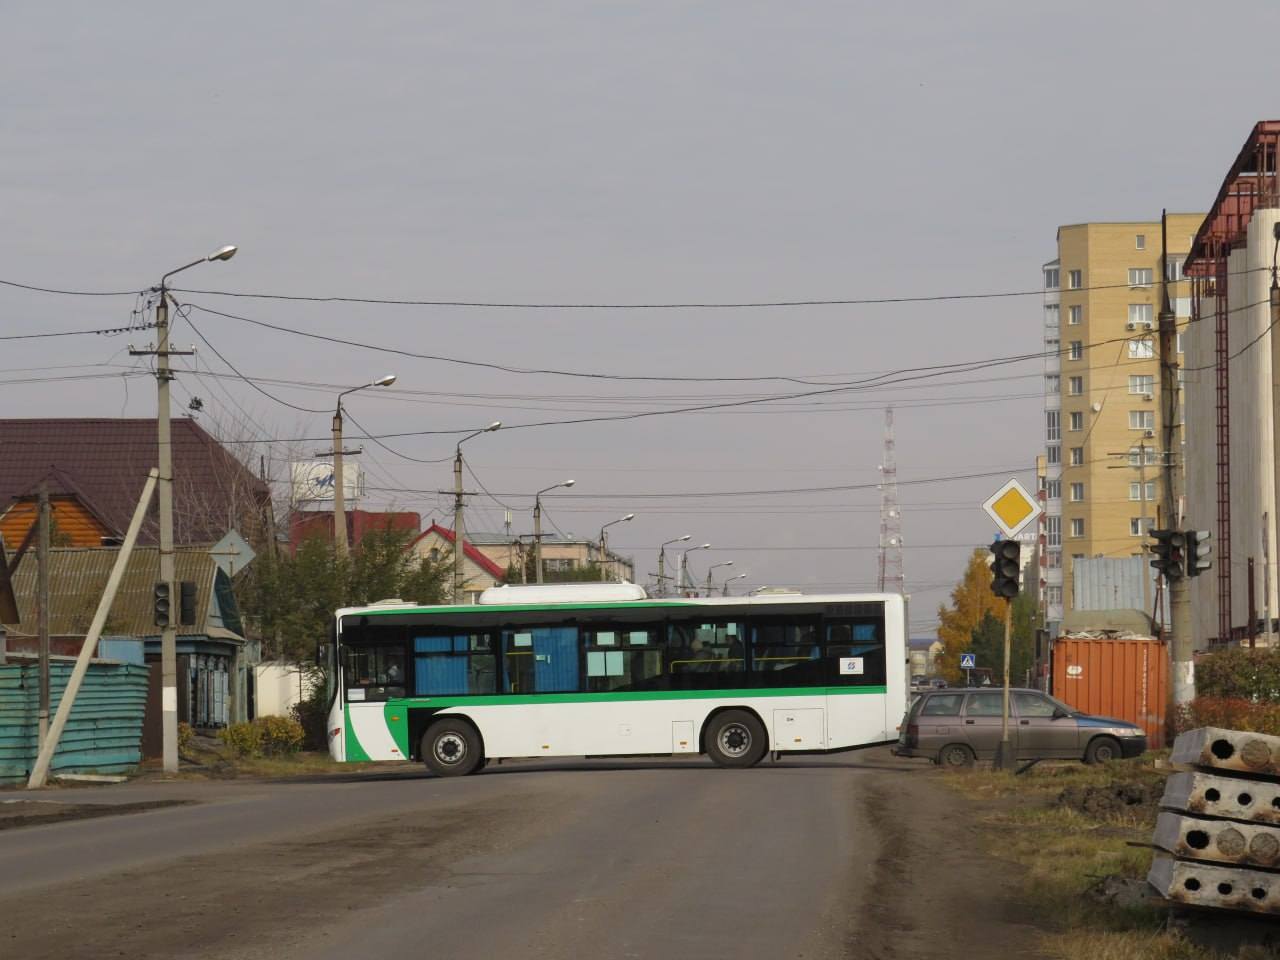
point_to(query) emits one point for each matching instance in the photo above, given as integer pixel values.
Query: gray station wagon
(956, 727)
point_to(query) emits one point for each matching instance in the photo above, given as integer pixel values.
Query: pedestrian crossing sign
(968, 661)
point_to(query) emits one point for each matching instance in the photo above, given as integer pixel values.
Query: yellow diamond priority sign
(1012, 508)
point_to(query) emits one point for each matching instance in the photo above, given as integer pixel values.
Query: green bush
(242, 739)
(312, 714)
(1230, 713)
(1237, 673)
(186, 736)
(280, 735)
(269, 736)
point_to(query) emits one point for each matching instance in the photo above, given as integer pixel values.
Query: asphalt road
(852, 856)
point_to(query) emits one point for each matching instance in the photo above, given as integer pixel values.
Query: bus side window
(855, 652)
(373, 671)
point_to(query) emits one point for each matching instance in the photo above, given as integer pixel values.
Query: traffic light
(187, 603)
(163, 603)
(1006, 567)
(1198, 552)
(1170, 549)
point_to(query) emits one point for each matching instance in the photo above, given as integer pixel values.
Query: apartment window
(1140, 527)
(1077, 527)
(1140, 276)
(1051, 278)
(1076, 350)
(1136, 491)
(1054, 595)
(1053, 454)
(1140, 315)
(1075, 386)
(1054, 558)
(1075, 315)
(1142, 419)
(1052, 489)
(1140, 241)
(1077, 493)
(1141, 349)
(1052, 383)
(1075, 280)
(1051, 314)
(1173, 267)
(1077, 456)
(1053, 531)
(1053, 425)
(1143, 385)
(1136, 455)
(1077, 421)
(1052, 346)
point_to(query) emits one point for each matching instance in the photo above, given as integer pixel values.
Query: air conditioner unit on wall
(1148, 397)
(1146, 324)
(1131, 325)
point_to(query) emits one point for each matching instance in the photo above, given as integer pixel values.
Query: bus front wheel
(451, 748)
(736, 738)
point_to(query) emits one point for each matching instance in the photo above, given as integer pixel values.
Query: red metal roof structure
(104, 463)
(471, 553)
(1250, 184)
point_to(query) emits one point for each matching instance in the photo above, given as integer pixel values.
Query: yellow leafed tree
(971, 601)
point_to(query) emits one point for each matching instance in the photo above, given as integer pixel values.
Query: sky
(604, 153)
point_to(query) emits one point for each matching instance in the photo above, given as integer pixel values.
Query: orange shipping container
(1124, 679)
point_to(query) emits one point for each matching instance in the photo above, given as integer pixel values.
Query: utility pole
(537, 526)
(164, 500)
(890, 577)
(459, 530)
(340, 544)
(42, 588)
(1182, 665)
(662, 572)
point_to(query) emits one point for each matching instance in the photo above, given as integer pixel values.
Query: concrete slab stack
(1218, 837)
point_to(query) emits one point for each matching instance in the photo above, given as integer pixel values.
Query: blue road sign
(968, 661)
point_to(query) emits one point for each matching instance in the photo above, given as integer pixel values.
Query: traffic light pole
(1005, 754)
(1181, 666)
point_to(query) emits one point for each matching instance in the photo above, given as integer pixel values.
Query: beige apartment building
(1103, 486)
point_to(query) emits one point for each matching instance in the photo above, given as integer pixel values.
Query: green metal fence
(103, 734)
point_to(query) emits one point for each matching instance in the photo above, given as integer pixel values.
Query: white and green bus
(596, 670)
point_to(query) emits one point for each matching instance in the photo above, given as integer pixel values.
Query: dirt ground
(28, 813)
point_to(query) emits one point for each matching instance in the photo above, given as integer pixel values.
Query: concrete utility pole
(164, 488)
(727, 563)
(459, 521)
(683, 582)
(537, 526)
(341, 543)
(604, 544)
(662, 562)
(1182, 666)
(42, 589)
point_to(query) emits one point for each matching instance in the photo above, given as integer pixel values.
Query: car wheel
(1102, 750)
(955, 756)
(451, 748)
(736, 738)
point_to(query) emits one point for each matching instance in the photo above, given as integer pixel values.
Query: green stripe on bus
(523, 699)
(354, 750)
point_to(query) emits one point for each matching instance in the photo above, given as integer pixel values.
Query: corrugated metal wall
(1114, 583)
(1124, 679)
(104, 733)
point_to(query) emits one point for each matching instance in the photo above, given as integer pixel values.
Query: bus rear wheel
(736, 738)
(451, 748)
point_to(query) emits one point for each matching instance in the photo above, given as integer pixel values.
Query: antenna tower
(891, 578)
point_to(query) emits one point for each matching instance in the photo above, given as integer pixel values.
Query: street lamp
(537, 525)
(727, 563)
(164, 493)
(459, 531)
(724, 591)
(339, 491)
(604, 543)
(662, 562)
(683, 576)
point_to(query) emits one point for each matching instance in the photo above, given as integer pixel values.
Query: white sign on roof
(1012, 508)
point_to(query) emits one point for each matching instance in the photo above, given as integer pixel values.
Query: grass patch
(1035, 819)
(207, 759)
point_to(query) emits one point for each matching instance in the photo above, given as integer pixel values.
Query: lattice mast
(891, 578)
